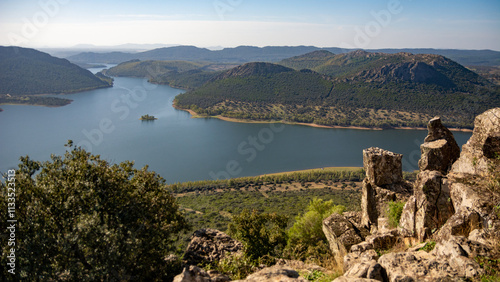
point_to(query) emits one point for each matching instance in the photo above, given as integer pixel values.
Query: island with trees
(147, 117)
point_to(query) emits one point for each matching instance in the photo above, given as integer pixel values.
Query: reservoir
(180, 148)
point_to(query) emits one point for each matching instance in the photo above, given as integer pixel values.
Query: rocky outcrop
(440, 150)
(479, 152)
(273, 274)
(383, 183)
(193, 273)
(429, 208)
(210, 245)
(341, 235)
(454, 202)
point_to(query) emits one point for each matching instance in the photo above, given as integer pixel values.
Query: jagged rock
(341, 235)
(429, 208)
(462, 223)
(383, 183)
(273, 274)
(440, 150)
(418, 266)
(299, 265)
(479, 152)
(210, 245)
(382, 167)
(368, 269)
(383, 240)
(193, 273)
(353, 279)
(374, 201)
(354, 258)
(354, 217)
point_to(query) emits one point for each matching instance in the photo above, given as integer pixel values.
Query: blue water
(180, 148)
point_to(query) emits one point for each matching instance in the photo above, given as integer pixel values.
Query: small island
(147, 117)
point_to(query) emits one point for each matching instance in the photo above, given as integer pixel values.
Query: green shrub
(307, 229)
(83, 219)
(394, 210)
(262, 234)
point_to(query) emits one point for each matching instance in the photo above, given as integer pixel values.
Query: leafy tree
(81, 218)
(262, 234)
(307, 230)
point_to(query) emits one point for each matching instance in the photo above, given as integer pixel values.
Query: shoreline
(195, 115)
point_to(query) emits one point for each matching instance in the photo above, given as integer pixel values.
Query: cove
(181, 148)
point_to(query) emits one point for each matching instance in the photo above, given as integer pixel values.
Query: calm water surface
(180, 148)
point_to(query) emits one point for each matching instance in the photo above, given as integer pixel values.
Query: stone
(368, 269)
(383, 183)
(299, 265)
(462, 223)
(193, 273)
(341, 235)
(273, 274)
(440, 150)
(417, 266)
(210, 245)
(382, 167)
(479, 152)
(383, 240)
(354, 258)
(353, 279)
(374, 201)
(433, 203)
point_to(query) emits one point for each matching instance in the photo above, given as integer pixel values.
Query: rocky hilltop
(450, 223)
(448, 227)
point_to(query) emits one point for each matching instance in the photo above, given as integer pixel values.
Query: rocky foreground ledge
(449, 223)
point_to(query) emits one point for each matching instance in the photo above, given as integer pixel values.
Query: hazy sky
(323, 23)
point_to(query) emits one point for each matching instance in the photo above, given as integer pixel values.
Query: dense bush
(262, 234)
(83, 219)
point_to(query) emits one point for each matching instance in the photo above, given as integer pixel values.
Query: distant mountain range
(243, 54)
(358, 88)
(25, 72)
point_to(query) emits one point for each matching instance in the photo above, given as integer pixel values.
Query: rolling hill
(27, 72)
(244, 54)
(353, 89)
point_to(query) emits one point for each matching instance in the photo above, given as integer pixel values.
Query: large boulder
(440, 150)
(482, 148)
(383, 183)
(210, 245)
(193, 273)
(429, 208)
(341, 235)
(273, 274)
(473, 181)
(382, 167)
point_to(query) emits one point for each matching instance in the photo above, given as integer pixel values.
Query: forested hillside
(358, 88)
(181, 74)
(26, 72)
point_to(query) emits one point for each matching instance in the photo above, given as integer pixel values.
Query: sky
(367, 24)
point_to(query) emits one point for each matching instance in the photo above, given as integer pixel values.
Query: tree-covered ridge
(180, 74)
(28, 72)
(348, 89)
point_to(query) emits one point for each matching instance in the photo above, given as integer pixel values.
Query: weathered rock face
(210, 245)
(440, 150)
(341, 235)
(429, 208)
(382, 167)
(273, 274)
(478, 153)
(383, 183)
(193, 273)
(458, 203)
